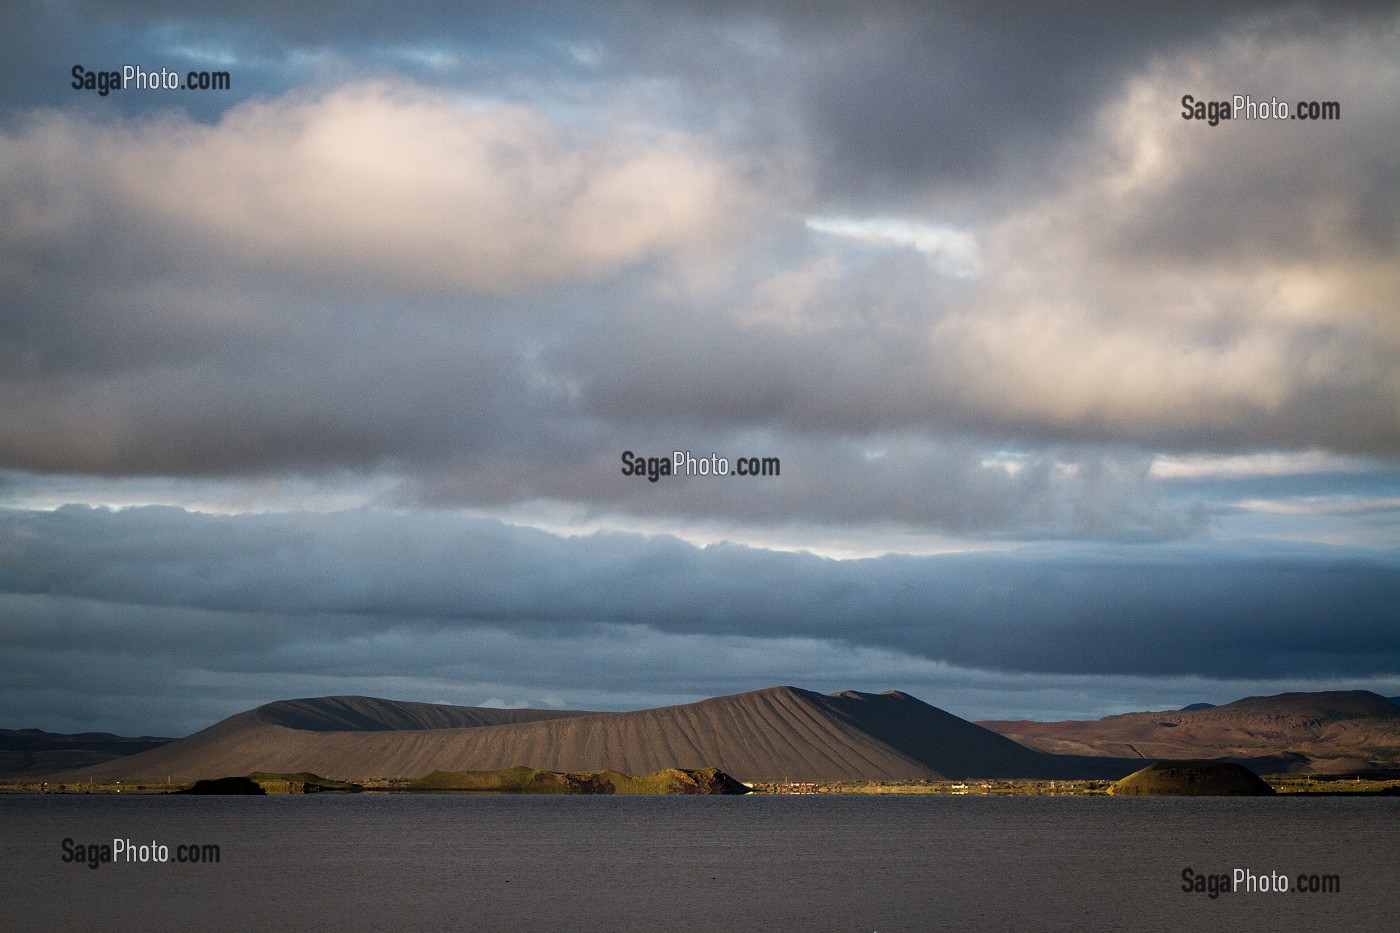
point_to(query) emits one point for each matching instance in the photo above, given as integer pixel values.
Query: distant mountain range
(26, 752)
(1341, 730)
(781, 733)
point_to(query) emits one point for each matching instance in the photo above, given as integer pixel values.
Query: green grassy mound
(522, 780)
(1192, 779)
(302, 782)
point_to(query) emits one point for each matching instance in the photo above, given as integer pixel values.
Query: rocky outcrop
(227, 785)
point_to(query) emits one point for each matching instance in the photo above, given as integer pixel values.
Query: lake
(324, 862)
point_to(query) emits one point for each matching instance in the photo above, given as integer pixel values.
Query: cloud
(179, 618)
(542, 291)
(211, 583)
(1167, 285)
(951, 252)
(1192, 286)
(378, 184)
(315, 282)
(962, 105)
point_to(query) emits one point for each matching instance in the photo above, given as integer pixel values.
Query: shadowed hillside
(368, 714)
(1303, 731)
(781, 733)
(28, 752)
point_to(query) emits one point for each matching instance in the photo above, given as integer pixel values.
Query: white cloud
(950, 251)
(378, 183)
(1272, 463)
(1227, 284)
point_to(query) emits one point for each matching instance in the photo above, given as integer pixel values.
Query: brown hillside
(1309, 728)
(773, 734)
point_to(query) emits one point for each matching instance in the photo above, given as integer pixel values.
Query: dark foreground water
(719, 863)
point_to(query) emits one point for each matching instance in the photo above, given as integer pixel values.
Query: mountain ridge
(778, 733)
(1329, 729)
(26, 752)
(350, 713)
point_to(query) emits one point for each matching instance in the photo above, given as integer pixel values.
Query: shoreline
(1284, 785)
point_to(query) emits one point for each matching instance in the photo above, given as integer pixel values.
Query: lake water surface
(697, 863)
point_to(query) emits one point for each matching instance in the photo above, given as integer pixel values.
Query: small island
(225, 785)
(522, 780)
(1192, 779)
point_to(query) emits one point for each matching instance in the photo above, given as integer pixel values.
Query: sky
(329, 382)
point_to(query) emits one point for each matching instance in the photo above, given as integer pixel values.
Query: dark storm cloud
(960, 105)
(889, 97)
(252, 583)
(958, 97)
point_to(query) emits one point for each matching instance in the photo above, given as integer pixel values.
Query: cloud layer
(967, 273)
(304, 596)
